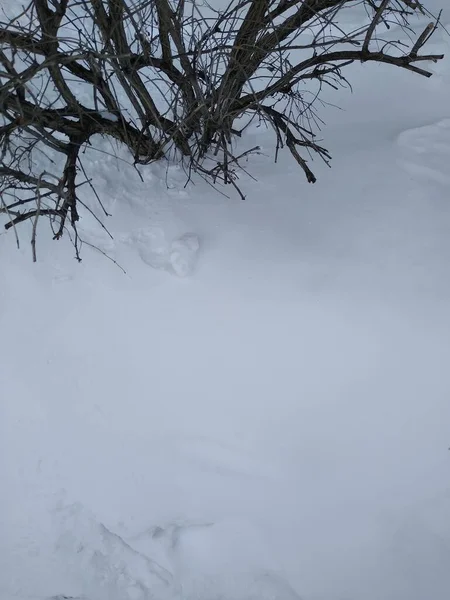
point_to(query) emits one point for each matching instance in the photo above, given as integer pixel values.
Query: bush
(172, 79)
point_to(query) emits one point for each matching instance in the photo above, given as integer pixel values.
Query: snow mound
(152, 246)
(229, 559)
(208, 561)
(178, 257)
(425, 152)
(104, 564)
(183, 254)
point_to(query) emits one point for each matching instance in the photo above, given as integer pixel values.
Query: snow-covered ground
(259, 408)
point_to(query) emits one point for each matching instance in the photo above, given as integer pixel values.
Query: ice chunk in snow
(183, 254)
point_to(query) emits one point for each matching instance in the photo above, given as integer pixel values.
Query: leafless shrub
(172, 78)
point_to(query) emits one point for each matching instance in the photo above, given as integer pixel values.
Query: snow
(183, 254)
(275, 422)
(109, 116)
(156, 250)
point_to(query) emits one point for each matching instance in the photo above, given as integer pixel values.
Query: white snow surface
(272, 422)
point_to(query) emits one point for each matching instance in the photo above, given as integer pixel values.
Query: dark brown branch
(49, 212)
